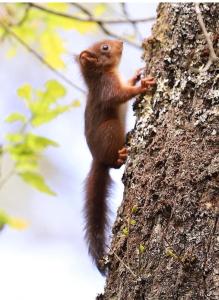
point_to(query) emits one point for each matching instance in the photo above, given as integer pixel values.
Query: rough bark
(165, 238)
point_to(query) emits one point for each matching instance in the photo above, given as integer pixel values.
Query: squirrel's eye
(105, 48)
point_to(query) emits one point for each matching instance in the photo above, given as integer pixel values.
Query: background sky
(49, 260)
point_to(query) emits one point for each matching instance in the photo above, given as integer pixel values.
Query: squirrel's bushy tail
(96, 191)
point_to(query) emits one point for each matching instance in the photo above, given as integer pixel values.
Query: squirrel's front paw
(139, 73)
(147, 82)
(136, 77)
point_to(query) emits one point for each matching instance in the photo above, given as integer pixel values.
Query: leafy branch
(100, 22)
(8, 22)
(24, 147)
(39, 57)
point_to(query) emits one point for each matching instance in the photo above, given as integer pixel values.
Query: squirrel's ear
(87, 57)
(76, 58)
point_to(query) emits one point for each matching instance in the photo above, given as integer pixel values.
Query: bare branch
(122, 262)
(104, 28)
(7, 177)
(212, 55)
(91, 18)
(25, 16)
(127, 267)
(110, 33)
(5, 13)
(40, 58)
(135, 27)
(82, 8)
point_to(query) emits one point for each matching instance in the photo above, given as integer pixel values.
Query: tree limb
(99, 22)
(103, 27)
(91, 18)
(135, 27)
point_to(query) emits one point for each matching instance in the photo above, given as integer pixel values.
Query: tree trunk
(165, 236)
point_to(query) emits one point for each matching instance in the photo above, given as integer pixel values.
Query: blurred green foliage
(13, 222)
(24, 147)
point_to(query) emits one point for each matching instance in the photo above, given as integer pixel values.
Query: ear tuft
(76, 58)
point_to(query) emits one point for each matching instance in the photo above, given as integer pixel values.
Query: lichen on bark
(166, 231)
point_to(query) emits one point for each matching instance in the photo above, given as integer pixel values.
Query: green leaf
(125, 231)
(141, 248)
(20, 149)
(134, 209)
(38, 143)
(76, 103)
(57, 6)
(170, 252)
(69, 24)
(36, 181)
(2, 32)
(99, 9)
(55, 90)
(15, 117)
(16, 223)
(25, 149)
(44, 99)
(52, 47)
(132, 222)
(26, 163)
(49, 115)
(14, 137)
(3, 218)
(11, 52)
(1, 150)
(25, 92)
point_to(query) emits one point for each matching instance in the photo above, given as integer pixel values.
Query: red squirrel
(104, 132)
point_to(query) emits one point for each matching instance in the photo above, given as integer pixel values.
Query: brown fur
(105, 133)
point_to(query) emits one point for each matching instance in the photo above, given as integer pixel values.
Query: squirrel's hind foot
(123, 153)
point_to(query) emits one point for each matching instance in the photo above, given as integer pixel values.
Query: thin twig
(25, 16)
(12, 172)
(102, 26)
(40, 58)
(212, 55)
(110, 33)
(7, 177)
(127, 267)
(135, 27)
(82, 8)
(91, 18)
(122, 262)
(127, 243)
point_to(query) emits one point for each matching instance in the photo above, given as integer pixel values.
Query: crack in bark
(207, 253)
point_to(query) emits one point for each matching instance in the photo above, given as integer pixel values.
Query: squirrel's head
(104, 55)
